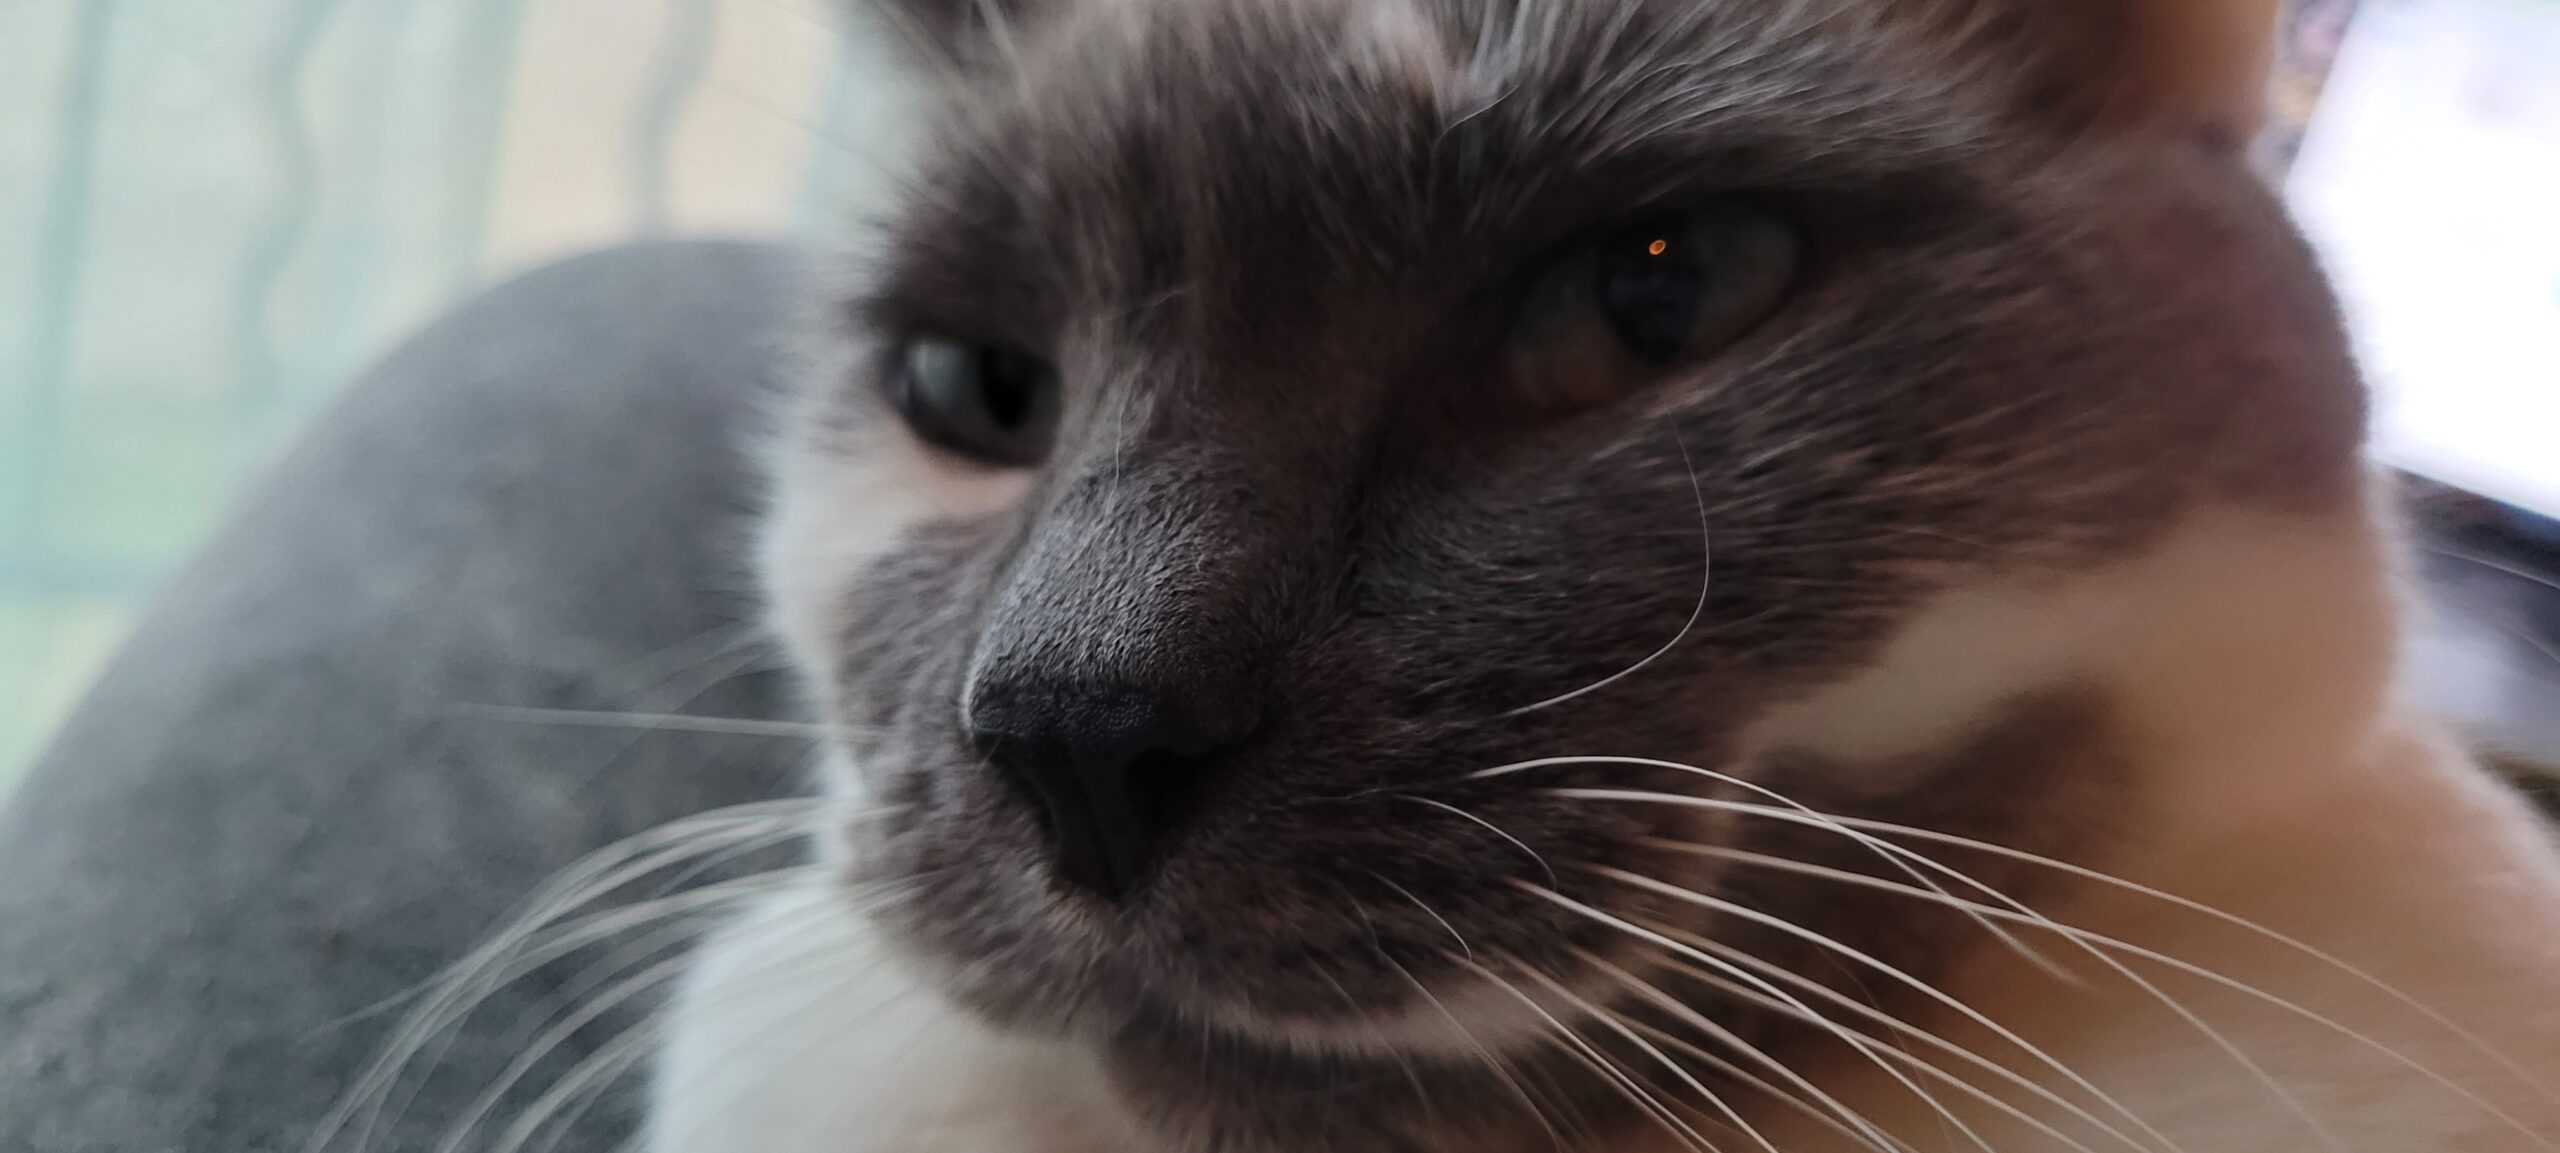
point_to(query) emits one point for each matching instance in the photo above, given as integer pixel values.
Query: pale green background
(214, 211)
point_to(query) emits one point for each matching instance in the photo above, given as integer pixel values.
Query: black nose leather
(1112, 771)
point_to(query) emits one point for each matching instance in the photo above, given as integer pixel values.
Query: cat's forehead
(1162, 130)
(1586, 73)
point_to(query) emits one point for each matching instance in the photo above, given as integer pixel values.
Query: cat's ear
(2200, 65)
(955, 32)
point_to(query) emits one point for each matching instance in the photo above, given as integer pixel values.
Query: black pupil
(1011, 384)
(1650, 292)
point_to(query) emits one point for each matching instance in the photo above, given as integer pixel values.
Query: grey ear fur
(953, 32)
(2114, 64)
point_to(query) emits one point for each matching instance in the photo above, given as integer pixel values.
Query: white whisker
(1866, 1132)
(1620, 1027)
(593, 978)
(1749, 1080)
(1494, 1062)
(419, 1040)
(1899, 1027)
(540, 944)
(687, 919)
(1706, 588)
(1883, 850)
(2487, 611)
(818, 974)
(426, 1033)
(534, 935)
(1488, 826)
(665, 699)
(609, 868)
(1932, 991)
(999, 31)
(1904, 978)
(597, 1072)
(554, 895)
(2102, 941)
(1641, 933)
(812, 965)
(1636, 1094)
(1427, 911)
(2492, 564)
(1369, 1018)
(549, 1042)
(650, 722)
(2234, 920)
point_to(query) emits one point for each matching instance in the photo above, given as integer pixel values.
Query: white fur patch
(798, 1032)
(839, 508)
(2235, 624)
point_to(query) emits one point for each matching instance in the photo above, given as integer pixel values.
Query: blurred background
(212, 212)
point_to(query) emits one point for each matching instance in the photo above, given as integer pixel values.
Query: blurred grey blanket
(281, 805)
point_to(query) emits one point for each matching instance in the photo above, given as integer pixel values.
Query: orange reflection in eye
(1658, 247)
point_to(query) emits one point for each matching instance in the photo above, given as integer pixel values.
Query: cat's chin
(1465, 1020)
(1369, 1084)
(1104, 1005)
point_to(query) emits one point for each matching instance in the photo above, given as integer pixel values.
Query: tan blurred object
(738, 150)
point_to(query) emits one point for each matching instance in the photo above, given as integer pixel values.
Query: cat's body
(1264, 523)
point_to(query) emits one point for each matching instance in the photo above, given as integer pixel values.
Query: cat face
(1263, 429)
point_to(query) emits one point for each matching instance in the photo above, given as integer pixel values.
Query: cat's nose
(1113, 772)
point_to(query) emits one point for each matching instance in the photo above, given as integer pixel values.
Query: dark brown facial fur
(1277, 254)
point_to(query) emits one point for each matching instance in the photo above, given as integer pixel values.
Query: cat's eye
(987, 401)
(1654, 295)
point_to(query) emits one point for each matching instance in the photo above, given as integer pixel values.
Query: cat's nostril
(1111, 775)
(1166, 786)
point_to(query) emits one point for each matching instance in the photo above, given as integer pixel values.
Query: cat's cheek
(840, 508)
(2196, 637)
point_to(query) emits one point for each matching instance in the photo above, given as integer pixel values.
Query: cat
(1508, 575)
